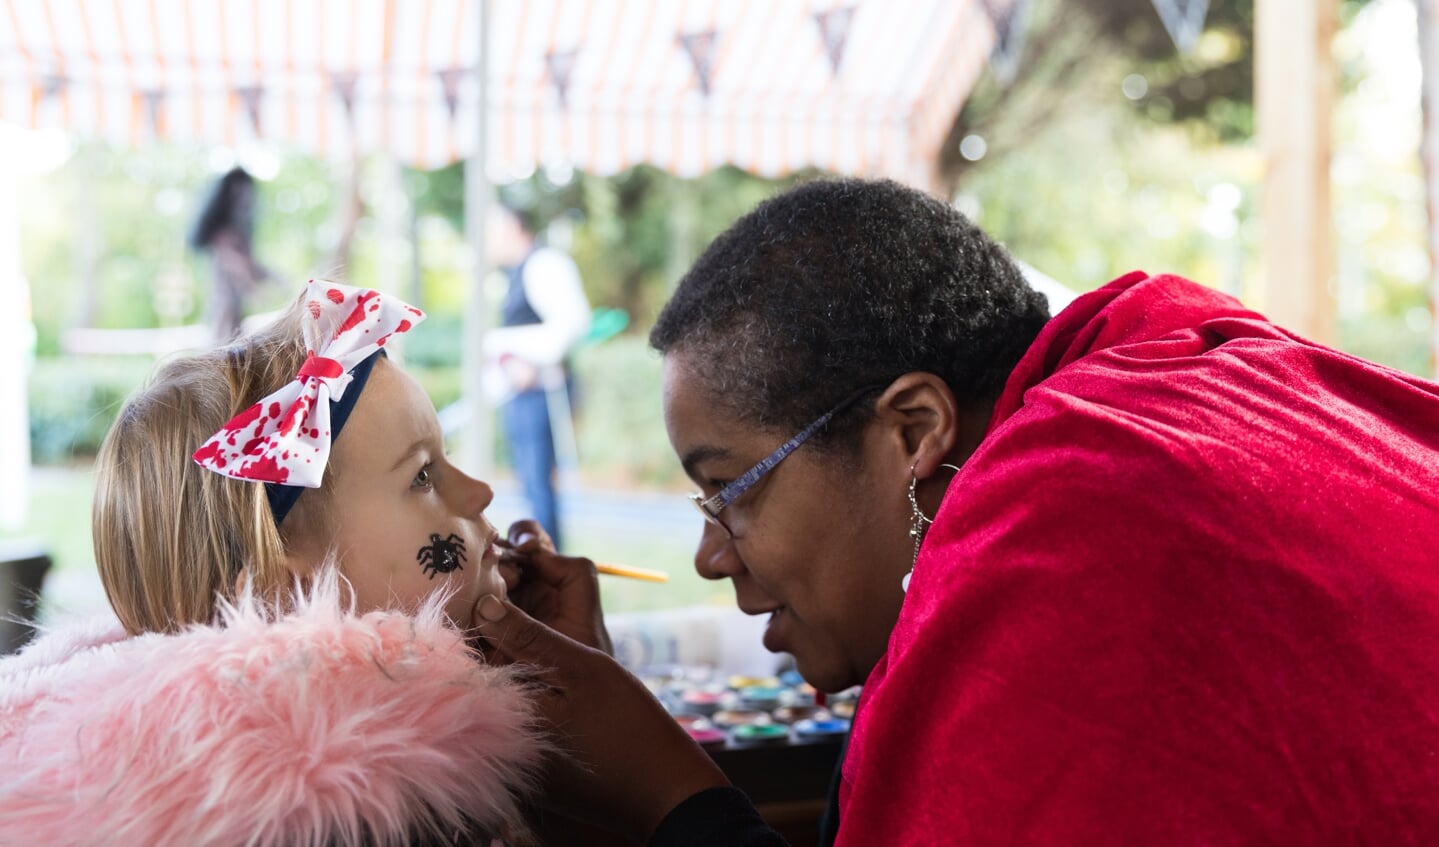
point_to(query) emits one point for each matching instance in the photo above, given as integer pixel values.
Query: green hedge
(619, 425)
(73, 401)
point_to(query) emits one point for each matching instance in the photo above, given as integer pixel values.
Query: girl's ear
(304, 552)
(298, 566)
(308, 533)
(925, 425)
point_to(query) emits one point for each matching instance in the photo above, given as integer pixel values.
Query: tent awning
(865, 87)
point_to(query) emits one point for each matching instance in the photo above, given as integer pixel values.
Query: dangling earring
(918, 523)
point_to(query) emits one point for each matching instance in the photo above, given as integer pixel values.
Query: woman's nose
(716, 557)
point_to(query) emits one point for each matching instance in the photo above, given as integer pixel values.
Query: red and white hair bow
(285, 438)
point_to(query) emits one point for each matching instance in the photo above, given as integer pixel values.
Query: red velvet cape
(1185, 592)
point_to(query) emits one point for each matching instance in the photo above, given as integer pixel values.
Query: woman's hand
(562, 592)
(627, 763)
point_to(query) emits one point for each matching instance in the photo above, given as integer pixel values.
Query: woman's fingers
(627, 762)
(562, 592)
(527, 536)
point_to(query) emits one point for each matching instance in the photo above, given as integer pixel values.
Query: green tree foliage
(1110, 150)
(1076, 55)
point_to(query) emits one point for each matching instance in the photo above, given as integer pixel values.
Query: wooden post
(1429, 153)
(1294, 92)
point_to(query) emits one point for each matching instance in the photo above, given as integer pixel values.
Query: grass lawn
(60, 516)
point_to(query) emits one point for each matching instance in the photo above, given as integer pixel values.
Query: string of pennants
(820, 77)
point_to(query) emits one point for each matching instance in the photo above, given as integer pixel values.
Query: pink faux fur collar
(315, 727)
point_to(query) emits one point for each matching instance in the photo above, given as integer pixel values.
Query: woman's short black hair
(841, 284)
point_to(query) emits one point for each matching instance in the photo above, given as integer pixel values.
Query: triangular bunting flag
(450, 83)
(700, 48)
(250, 96)
(1010, 27)
(344, 85)
(560, 63)
(834, 29)
(1183, 19)
(52, 85)
(154, 100)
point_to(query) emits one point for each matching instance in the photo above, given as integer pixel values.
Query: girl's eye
(422, 479)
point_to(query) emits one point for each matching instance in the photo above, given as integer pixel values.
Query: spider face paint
(442, 555)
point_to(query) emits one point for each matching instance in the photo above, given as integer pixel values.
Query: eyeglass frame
(712, 506)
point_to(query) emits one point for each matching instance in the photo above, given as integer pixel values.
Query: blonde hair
(172, 538)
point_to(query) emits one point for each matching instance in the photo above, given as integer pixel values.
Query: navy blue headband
(282, 497)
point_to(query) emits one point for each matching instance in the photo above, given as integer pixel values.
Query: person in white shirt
(543, 315)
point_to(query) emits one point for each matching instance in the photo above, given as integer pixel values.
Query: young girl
(293, 562)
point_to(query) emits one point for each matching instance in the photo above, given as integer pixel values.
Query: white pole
(16, 339)
(478, 455)
(1429, 154)
(21, 153)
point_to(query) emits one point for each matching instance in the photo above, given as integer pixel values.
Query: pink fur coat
(316, 727)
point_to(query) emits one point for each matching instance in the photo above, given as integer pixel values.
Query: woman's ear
(925, 423)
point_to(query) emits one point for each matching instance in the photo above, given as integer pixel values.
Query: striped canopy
(867, 87)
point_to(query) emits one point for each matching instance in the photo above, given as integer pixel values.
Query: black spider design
(443, 555)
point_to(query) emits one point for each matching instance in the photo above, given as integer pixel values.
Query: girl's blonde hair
(171, 538)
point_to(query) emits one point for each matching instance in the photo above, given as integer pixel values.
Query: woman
(1172, 578)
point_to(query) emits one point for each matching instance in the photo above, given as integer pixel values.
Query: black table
(788, 782)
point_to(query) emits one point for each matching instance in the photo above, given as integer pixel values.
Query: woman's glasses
(713, 506)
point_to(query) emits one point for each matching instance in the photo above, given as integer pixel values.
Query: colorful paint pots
(760, 733)
(823, 728)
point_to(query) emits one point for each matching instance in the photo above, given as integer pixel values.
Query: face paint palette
(708, 736)
(760, 733)
(764, 697)
(688, 720)
(821, 728)
(731, 718)
(702, 730)
(750, 711)
(758, 750)
(703, 701)
(793, 714)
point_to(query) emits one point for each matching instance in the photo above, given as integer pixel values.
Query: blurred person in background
(225, 230)
(543, 315)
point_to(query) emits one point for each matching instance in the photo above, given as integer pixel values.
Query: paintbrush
(633, 573)
(509, 553)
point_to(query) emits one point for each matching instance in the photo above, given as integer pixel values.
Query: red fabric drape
(1186, 592)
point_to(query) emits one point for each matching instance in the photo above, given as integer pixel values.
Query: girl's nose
(476, 495)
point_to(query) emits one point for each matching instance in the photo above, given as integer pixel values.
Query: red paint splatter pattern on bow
(285, 438)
